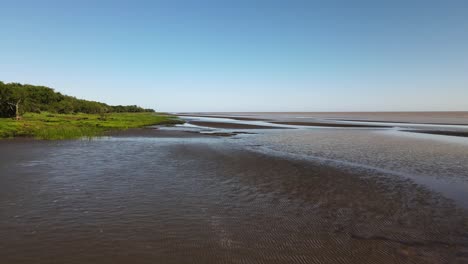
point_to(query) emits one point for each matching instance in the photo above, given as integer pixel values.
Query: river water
(307, 195)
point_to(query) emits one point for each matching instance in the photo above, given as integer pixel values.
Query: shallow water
(452, 118)
(284, 196)
(436, 161)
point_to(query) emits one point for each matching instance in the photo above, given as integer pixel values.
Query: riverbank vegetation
(42, 113)
(17, 99)
(69, 126)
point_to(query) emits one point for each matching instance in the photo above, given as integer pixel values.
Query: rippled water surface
(438, 162)
(285, 196)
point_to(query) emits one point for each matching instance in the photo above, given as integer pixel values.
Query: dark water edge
(202, 200)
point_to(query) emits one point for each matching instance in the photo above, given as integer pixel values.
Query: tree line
(17, 99)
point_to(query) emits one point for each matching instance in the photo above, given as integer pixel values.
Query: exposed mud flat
(441, 132)
(328, 124)
(208, 200)
(154, 132)
(224, 116)
(230, 125)
(453, 118)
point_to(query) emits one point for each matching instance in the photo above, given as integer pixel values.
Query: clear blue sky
(243, 55)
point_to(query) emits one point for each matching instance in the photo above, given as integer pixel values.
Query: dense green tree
(6, 101)
(16, 99)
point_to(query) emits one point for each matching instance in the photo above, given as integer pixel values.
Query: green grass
(72, 126)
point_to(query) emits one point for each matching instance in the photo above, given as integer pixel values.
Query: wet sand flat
(205, 200)
(446, 126)
(440, 132)
(455, 118)
(229, 125)
(156, 132)
(224, 116)
(325, 124)
(153, 132)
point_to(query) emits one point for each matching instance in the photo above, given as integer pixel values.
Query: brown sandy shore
(230, 125)
(287, 119)
(325, 124)
(441, 132)
(193, 202)
(223, 116)
(402, 122)
(448, 118)
(155, 132)
(249, 126)
(158, 133)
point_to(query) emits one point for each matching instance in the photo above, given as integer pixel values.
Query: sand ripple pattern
(156, 201)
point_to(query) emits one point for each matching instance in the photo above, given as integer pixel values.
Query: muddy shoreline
(153, 132)
(231, 117)
(196, 198)
(440, 118)
(325, 124)
(447, 129)
(230, 125)
(440, 132)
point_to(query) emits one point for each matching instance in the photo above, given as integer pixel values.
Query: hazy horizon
(219, 56)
